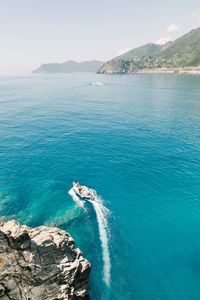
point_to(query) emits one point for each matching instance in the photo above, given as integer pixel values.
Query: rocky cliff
(41, 263)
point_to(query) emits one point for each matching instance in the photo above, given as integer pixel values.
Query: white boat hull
(87, 194)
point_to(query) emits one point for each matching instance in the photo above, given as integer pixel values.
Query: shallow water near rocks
(135, 140)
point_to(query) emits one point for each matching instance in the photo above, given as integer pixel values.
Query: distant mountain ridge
(180, 55)
(146, 50)
(69, 67)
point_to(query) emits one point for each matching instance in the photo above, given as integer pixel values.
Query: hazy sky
(33, 32)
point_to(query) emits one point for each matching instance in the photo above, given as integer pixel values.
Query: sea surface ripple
(135, 140)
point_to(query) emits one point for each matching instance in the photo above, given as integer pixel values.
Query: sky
(33, 32)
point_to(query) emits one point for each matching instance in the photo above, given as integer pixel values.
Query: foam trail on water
(101, 212)
(76, 198)
(97, 83)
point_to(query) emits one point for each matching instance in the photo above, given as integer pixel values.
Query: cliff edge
(41, 263)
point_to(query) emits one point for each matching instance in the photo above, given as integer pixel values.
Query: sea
(135, 140)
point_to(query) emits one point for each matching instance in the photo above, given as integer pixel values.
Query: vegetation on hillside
(146, 50)
(183, 52)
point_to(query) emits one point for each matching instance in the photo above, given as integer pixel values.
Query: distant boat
(83, 191)
(97, 83)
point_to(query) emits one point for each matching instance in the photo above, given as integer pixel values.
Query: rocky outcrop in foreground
(41, 263)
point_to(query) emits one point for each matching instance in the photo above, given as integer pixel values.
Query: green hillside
(183, 52)
(146, 50)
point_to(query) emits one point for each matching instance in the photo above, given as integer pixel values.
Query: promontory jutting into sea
(100, 150)
(179, 56)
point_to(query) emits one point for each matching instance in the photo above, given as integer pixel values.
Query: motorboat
(83, 191)
(97, 83)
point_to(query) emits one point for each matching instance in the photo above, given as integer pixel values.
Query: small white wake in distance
(101, 212)
(76, 198)
(97, 83)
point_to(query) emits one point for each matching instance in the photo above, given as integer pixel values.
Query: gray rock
(41, 263)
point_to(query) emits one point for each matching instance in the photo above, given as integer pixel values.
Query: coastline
(191, 70)
(171, 71)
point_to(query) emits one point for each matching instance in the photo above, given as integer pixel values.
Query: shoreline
(195, 71)
(171, 71)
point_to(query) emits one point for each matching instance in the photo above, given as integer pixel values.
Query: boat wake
(101, 213)
(97, 83)
(76, 198)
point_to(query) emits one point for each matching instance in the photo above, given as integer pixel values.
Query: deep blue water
(135, 140)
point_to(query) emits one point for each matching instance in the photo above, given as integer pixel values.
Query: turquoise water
(135, 140)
